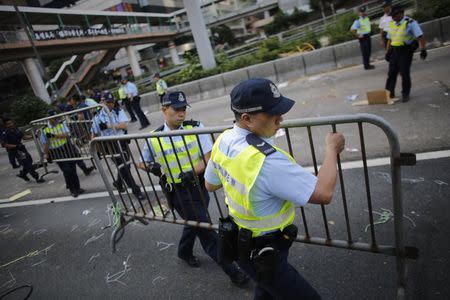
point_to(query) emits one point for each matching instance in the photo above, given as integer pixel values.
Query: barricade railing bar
(76, 124)
(155, 205)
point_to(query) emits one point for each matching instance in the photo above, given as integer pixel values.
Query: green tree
(432, 9)
(28, 108)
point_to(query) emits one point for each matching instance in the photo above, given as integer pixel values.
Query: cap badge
(275, 92)
(181, 98)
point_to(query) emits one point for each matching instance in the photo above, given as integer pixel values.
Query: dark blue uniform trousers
(365, 44)
(400, 62)
(195, 210)
(287, 283)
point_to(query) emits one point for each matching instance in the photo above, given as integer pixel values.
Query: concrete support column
(174, 53)
(133, 60)
(200, 34)
(34, 76)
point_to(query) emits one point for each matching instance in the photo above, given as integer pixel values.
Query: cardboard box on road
(377, 97)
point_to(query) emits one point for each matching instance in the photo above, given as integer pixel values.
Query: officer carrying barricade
(111, 121)
(183, 160)
(262, 183)
(55, 138)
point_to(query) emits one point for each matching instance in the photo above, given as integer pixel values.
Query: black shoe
(133, 120)
(15, 166)
(120, 187)
(40, 180)
(192, 261)
(240, 279)
(80, 191)
(405, 98)
(392, 96)
(24, 177)
(89, 170)
(74, 193)
(144, 126)
(369, 67)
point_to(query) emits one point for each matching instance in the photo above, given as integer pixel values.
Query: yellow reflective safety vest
(161, 87)
(121, 92)
(238, 175)
(364, 26)
(166, 153)
(397, 33)
(55, 142)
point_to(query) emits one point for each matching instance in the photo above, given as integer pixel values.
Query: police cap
(397, 9)
(175, 99)
(259, 95)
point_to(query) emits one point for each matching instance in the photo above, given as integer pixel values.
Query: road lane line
(345, 166)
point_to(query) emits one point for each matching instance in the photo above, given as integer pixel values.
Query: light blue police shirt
(130, 88)
(356, 25)
(205, 143)
(64, 130)
(279, 179)
(412, 29)
(102, 117)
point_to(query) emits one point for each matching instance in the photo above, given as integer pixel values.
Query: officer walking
(126, 101)
(113, 122)
(55, 140)
(263, 184)
(404, 37)
(11, 139)
(161, 86)
(362, 29)
(385, 21)
(133, 96)
(184, 183)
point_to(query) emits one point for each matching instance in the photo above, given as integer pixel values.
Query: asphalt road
(73, 258)
(62, 250)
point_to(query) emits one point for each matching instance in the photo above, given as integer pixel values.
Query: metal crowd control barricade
(77, 124)
(155, 207)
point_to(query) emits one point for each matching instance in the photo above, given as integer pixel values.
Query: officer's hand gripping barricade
(370, 244)
(166, 187)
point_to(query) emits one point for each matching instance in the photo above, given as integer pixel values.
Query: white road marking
(345, 166)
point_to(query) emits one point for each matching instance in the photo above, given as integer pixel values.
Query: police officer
(11, 139)
(55, 140)
(125, 101)
(113, 122)
(404, 37)
(385, 21)
(263, 184)
(161, 86)
(135, 100)
(185, 186)
(362, 29)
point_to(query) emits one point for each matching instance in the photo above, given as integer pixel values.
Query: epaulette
(257, 142)
(160, 128)
(192, 123)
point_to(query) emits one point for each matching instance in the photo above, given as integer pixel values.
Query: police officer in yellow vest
(404, 37)
(362, 29)
(55, 140)
(126, 101)
(184, 183)
(263, 184)
(161, 86)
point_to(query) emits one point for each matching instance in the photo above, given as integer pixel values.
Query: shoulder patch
(191, 122)
(257, 142)
(160, 128)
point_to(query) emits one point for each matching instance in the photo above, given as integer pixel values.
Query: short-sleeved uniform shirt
(117, 116)
(130, 88)
(412, 30)
(148, 153)
(280, 179)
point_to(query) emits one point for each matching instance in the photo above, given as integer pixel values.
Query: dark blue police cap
(52, 112)
(387, 3)
(259, 95)
(175, 99)
(362, 9)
